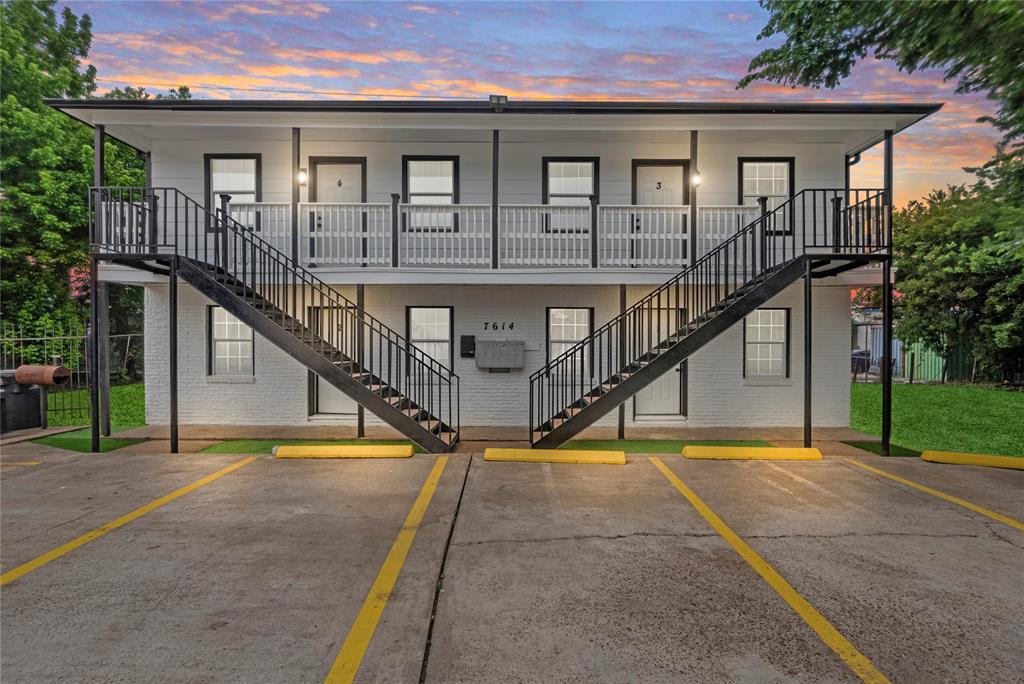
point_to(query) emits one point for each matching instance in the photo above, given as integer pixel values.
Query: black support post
(620, 361)
(172, 346)
(395, 197)
(360, 305)
(102, 331)
(887, 301)
(94, 385)
(296, 163)
(808, 280)
(692, 233)
(494, 197)
(593, 231)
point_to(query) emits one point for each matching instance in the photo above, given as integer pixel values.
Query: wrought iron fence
(69, 404)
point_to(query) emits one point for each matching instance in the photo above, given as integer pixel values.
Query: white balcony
(460, 236)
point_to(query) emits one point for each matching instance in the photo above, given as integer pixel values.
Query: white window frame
(213, 193)
(212, 340)
(568, 343)
(560, 224)
(748, 344)
(450, 341)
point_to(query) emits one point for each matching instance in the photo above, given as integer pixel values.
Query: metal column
(296, 161)
(692, 170)
(887, 303)
(172, 344)
(495, 136)
(807, 353)
(360, 305)
(621, 360)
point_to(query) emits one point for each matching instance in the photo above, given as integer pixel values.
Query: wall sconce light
(696, 178)
(303, 177)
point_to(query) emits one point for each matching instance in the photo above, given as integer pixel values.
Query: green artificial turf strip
(81, 440)
(266, 446)
(976, 419)
(876, 448)
(127, 406)
(654, 446)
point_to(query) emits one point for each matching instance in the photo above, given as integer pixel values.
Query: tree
(977, 44)
(955, 288)
(47, 163)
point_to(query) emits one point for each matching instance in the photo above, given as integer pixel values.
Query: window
(569, 181)
(434, 181)
(770, 177)
(238, 175)
(231, 344)
(566, 327)
(430, 330)
(766, 344)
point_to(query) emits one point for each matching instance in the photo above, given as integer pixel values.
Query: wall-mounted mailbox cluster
(500, 354)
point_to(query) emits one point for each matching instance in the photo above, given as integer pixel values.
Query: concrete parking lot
(297, 571)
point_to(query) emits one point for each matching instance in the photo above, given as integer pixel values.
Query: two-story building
(544, 266)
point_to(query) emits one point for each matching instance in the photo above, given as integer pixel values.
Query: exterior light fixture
(498, 102)
(696, 178)
(303, 177)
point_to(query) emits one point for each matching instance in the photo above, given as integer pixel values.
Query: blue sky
(607, 50)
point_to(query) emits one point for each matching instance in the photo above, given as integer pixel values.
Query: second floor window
(433, 181)
(570, 181)
(237, 175)
(770, 177)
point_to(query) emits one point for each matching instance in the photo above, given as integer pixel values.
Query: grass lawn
(975, 419)
(81, 440)
(266, 446)
(652, 446)
(127, 407)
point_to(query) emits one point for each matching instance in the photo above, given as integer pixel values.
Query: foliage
(47, 164)
(81, 441)
(976, 43)
(955, 284)
(127, 407)
(971, 418)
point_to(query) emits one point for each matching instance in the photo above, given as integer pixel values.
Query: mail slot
(500, 354)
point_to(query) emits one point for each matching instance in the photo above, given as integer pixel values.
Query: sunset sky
(625, 51)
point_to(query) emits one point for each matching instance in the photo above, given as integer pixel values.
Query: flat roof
(863, 124)
(511, 107)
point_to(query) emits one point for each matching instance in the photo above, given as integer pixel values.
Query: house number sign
(499, 325)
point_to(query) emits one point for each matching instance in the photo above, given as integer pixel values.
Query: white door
(340, 182)
(659, 186)
(659, 237)
(662, 397)
(328, 399)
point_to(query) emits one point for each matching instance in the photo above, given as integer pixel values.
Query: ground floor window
(230, 344)
(429, 328)
(566, 327)
(766, 344)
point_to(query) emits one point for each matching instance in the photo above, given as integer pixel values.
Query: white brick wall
(718, 393)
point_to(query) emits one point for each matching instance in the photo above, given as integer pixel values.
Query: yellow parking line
(854, 659)
(20, 463)
(942, 495)
(56, 553)
(352, 651)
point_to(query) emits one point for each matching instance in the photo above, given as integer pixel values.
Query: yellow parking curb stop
(960, 458)
(343, 451)
(752, 453)
(556, 456)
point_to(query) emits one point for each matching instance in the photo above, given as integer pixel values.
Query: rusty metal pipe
(42, 375)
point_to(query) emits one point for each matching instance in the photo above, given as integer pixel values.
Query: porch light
(303, 176)
(696, 178)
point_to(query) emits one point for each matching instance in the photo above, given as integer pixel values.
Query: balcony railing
(529, 236)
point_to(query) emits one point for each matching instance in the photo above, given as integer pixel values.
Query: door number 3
(658, 186)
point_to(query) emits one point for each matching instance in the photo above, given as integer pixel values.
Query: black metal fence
(69, 404)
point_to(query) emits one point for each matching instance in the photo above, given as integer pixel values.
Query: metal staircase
(164, 230)
(821, 232)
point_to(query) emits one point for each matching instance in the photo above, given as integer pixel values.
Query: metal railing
(816, 221)
(544, 236)
(447, 236)
(164, 221)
